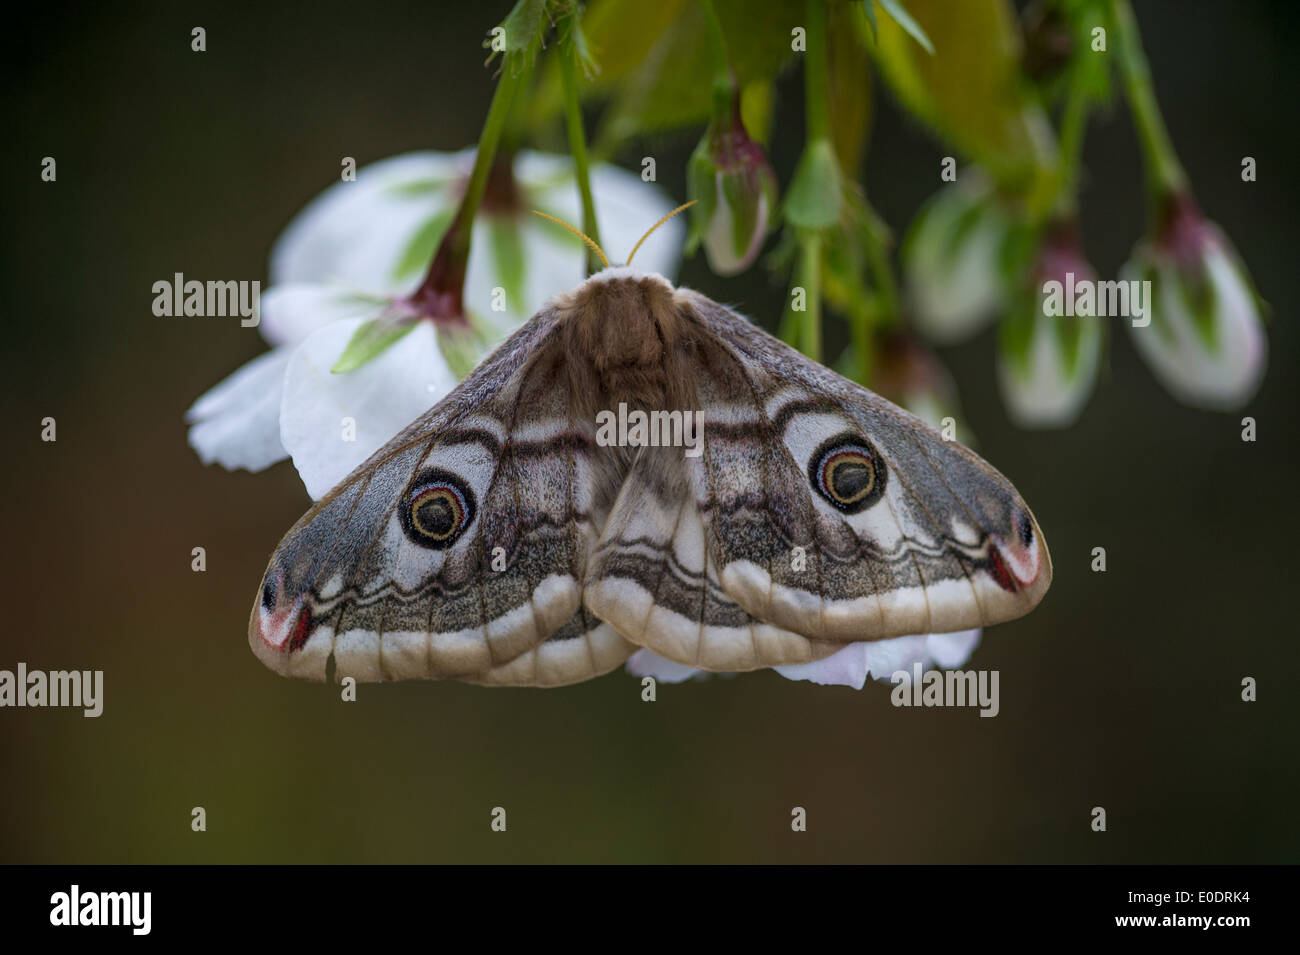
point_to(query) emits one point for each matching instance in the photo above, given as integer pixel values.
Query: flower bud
(736, 191)
(953, 261)
(1202, 337)
(1049, 358)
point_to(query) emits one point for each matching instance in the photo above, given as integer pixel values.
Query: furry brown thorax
(628, 336)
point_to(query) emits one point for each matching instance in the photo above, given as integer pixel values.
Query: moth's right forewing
(926, 538)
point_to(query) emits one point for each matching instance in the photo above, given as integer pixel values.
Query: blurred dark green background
(1122, 690)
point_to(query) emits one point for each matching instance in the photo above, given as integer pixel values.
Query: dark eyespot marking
(438, 508)
(268, 595)
(848, 472)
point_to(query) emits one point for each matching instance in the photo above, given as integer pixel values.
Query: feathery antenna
(686, 205)
(581, 235)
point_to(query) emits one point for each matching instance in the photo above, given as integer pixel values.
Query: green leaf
(1201, 296)
(576, 39)
(1016, 333)
(663, 78)
(844, 264)
(419, 251)
(420, 187)
(959, 231)
(462, 348)
(869, 8)
(1016, 254)
(971, 92)
(370, 341)
(743, 206)
(817, 191)
(525, 29)
(508, 256)
(1069, 332)
(904, 19)
(702, 187)
(622, 33)
(850, 102)
(1160, 293)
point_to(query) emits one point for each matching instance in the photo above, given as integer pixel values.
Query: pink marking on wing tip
(277, 622)
(301, 630)
(1022, 563)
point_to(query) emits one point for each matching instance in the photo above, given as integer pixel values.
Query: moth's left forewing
(838, 515)
(457, 548)
(309, 580)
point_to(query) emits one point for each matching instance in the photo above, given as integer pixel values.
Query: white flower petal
(845, 667)
(648, 663)
(381, 397)
(885, 657)
(851, 665)
(544, 170)
(236, 423)
(354, 233)
(949, 650)
(1224, 379)
(550, 267)
(291, 312)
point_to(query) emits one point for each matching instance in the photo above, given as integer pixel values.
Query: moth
(502, 539)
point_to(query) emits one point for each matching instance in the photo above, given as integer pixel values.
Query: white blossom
(360, 246)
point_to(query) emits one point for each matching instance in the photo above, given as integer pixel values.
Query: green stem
(440, 295)
(516, 129)
(1164, 172)
(817, 78)
(810, 329)
(498, 114)
(724, 81)
(1074, 123)
(817, 96)
(578, 147)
